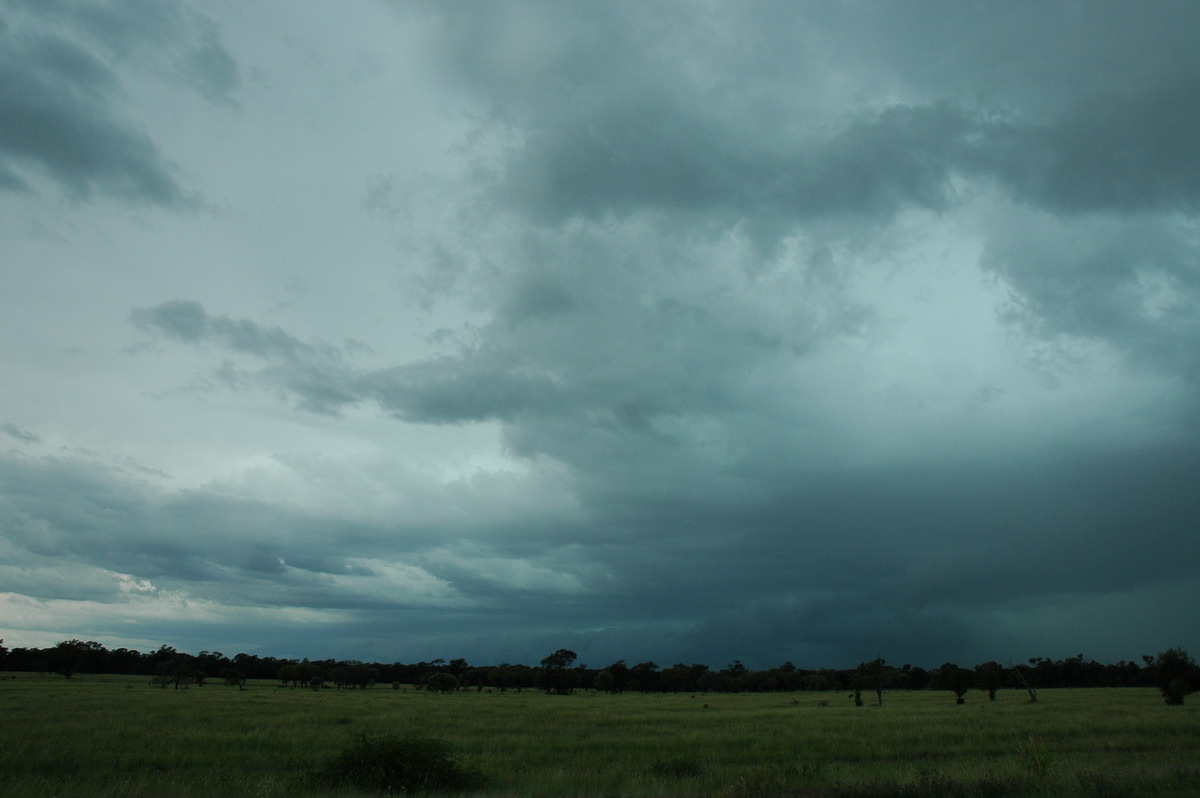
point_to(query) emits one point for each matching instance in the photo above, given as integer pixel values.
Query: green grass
(117, 736)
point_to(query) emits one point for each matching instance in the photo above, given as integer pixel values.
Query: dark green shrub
(396, 764)
(959, 681)
(1176, 691)
(1171, 667)
(442, 682)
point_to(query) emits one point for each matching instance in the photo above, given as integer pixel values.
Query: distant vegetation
(1173, 672)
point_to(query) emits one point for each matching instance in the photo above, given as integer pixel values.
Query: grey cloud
(522, 370)
(649, 155)
(211, 68)
(1135, 152)
(61, 97)
(13, 431)
(670, 273)
(213, 546)
(10, 181)
(1082, 117)
(822, 628)
(1130, 151)
(1130, 282)
(1115, 151)
(56, 116)
(449, 391)
(819, 566)
(316, 373)
(169, 33)
(184, 320)
(616, 116)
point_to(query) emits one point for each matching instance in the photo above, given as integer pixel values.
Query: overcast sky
(681, 331)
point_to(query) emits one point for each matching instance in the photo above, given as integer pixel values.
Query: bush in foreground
(399, 764)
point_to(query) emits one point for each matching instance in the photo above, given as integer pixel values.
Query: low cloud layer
(683, 333)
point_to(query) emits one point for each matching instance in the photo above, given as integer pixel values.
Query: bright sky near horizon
(683, 331)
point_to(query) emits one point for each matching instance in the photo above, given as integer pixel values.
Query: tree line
(1173, 671)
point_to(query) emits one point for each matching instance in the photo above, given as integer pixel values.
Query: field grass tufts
(398, 764)
(675, 768)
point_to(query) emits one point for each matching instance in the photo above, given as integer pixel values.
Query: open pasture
(118, 736)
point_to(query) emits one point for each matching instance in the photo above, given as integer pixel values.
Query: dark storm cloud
(909, 563)
(1128, 150)
(63, 105)
(1109, 153)
(56, 114)
(696, 120)
(624, 109)
(650, 155)
(1071, 112)
(688, 246)
(1134, 283)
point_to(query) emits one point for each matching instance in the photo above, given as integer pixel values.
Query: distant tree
(234, 678)
(252, 666)
(675, 679)
(918, 677)
(71, 657)
(956, 680)
(1024, 680)
(814, 681)
(989, 677)
(734, 677)
(307, 671)
(605, 682)
(555, 671)
(645, 676)
(442, 682)
(1176, 691)
(353, 674)
(296, 674)
(176, 671)
(870, 675)
(287, 675)
(1174, 671)
(501, 677)
(620, 674)
(210, 664)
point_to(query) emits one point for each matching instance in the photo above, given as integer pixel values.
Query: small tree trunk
(1025, 683)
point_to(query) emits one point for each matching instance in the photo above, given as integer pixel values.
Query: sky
(680, 331)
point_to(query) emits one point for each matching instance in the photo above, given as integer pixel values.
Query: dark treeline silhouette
(559, 673)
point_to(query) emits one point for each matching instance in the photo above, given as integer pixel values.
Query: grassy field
(118, 736)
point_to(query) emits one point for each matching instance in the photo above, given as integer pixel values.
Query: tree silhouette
(989, 676)
(442, 682)
(1175, 670)
(556, 678)
(870, 674)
